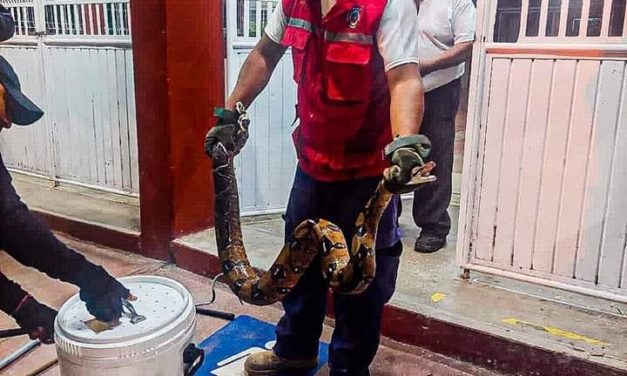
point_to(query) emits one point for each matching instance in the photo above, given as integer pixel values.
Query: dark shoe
(428, 243)
(266, 363)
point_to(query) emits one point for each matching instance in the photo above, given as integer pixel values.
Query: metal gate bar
(99, 31)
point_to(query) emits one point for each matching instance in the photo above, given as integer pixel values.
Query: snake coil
(349, 270)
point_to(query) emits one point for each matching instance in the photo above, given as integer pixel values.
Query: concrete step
(88, 205)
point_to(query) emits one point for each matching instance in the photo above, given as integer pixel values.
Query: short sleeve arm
(276, 25)
(464, 16)
(397, 37)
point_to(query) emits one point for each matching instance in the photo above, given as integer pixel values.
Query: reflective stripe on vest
(330, 36)
(300, 24)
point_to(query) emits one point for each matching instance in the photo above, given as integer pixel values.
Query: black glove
(103, 295)
(231, 130)
(407, 155)
(37, 319)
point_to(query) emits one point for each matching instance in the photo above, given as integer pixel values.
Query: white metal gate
(74, 59)
(266, 167)
(544, 192)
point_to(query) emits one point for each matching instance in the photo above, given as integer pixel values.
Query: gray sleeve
(397, 38)
(7, 24)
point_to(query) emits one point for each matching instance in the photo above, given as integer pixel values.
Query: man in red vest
(360, 97)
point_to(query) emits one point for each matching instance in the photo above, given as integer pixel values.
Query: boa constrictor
(349, 270)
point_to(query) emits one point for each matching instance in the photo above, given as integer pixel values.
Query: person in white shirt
(446, 35)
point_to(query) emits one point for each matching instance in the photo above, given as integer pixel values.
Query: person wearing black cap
(30, 242)
(7, 24)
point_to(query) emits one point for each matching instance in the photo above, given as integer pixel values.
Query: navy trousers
(358, 318)
(431, 202)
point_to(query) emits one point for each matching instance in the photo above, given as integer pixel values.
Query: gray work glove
(231, 131)
(407, 155)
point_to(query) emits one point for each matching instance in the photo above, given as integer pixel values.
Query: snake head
(420, 176)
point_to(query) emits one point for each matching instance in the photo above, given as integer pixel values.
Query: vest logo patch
(354, 16)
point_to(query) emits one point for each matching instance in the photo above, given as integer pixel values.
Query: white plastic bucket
(158, 346)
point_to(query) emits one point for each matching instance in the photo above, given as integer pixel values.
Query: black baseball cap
(21, 110)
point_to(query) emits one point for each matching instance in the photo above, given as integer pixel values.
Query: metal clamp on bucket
(135, 318)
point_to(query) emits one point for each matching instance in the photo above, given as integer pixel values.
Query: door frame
(484, 51)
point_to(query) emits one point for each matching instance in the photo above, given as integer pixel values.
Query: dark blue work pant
(430, 209)
(358, 317)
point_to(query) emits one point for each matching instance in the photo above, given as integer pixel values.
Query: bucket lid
(166, 304)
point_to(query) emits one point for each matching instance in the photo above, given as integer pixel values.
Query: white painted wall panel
(509, 181)
(92, 120)
(554, 172)
(580, 130)
(26, 148)
(89, 100)
(266, 167)
(485, 232)
(80, 71)
(546, 153)
(550, 185)
(533, 150)
(600, 160)
(614, 236)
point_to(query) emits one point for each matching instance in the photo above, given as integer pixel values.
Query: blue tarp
(227, 349)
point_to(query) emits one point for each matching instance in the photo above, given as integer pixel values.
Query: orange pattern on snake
(349, 270)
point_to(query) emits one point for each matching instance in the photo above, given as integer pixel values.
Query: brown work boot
(266, 363)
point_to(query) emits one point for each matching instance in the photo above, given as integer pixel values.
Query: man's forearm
(407, 100)
(454, 56)
(255, 72)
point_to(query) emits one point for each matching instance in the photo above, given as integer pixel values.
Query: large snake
(349, 270)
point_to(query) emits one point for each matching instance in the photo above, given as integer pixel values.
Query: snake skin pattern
(349, 270)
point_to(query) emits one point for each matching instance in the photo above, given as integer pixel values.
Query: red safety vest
(343, 97)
